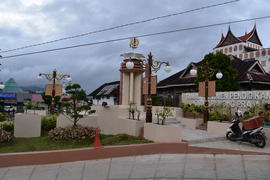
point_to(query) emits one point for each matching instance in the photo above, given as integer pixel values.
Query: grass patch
(44, 143)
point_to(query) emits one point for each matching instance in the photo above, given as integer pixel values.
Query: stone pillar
(131, 79)
(131, 87)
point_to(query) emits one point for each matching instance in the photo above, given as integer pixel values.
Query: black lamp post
(54, 77)
(207, 73)
(150, 65)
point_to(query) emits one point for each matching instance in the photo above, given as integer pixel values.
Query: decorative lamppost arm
(53, 78)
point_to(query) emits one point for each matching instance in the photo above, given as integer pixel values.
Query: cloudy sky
(26, 22)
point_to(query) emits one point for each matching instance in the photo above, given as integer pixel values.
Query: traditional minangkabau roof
(230, 38)
(107, 89)
(247, 71)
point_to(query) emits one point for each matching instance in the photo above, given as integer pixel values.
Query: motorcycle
(235, 133)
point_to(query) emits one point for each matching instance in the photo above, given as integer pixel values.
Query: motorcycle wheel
(260, 141)
(229, 136)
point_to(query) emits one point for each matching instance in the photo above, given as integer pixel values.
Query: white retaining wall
(27, 125)
(162, 133)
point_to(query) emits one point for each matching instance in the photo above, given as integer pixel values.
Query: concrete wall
(90, 121)
(217, 127)
(190, 123)
(38, 112)
(114, 120)
(162, 133)
(27, 125)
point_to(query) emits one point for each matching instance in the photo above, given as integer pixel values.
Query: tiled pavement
(166, 166)
(200, 138)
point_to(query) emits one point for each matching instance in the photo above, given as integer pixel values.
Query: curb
(61, 156)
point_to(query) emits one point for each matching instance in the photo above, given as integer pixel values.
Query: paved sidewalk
(200, 138)
(166, 166)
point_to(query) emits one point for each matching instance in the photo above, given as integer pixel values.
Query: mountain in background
(32, 88)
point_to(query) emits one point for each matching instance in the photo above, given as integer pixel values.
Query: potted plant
(163, 113)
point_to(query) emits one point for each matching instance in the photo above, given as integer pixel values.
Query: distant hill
(32, 88)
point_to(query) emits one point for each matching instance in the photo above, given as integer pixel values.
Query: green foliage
(219, 112)
(7, 126)
(163, 113)
(217, 116)
(5, 136)
(249, 115)
(73, 106)
(48, 100)
(31, 105)
(192, 108)
(72, 133)
(3, 117)
(219, 62)
(48, 123)
(121, 139)
(256, 108)
(162, 101)
(44, 143)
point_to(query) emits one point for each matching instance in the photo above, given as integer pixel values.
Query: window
(251, 55)
(258, 54)
(235, 48)
(240, 47)
(263, 63)
(246, 55)
(230, 49)
(241, 56)
(263, 52)
(226, 50)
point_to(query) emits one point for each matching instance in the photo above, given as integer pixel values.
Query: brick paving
(157, 166)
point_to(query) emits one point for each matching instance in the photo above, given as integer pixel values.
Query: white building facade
(244, 47)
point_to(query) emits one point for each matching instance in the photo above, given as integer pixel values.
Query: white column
(131, 86)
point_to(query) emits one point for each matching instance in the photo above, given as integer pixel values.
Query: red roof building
(247, 46)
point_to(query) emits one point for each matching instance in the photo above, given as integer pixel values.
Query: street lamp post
(208, 72)
(53, 78)
(150, 65)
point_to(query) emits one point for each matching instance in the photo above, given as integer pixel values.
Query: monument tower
(131, 78)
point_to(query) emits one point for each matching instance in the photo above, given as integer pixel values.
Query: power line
(139, 36)
(119, 26)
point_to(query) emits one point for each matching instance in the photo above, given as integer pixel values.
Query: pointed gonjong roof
(230, 38)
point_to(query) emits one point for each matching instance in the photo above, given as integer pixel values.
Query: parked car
(8, 108)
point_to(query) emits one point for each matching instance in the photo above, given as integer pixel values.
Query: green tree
(48, 100)
(219, 62)
(75, 107)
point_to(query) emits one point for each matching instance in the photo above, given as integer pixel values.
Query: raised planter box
(217, 127)
(190, 123)
(192, 115)
(162, 133)
(27, 125)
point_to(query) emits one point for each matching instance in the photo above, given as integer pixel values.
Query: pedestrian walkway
(158, 166)
(200, 138)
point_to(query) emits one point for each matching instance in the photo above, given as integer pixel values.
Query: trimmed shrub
(3, 117)
(7, 126)
(72, 133)
(5, 136)
(249, 115)
(48, 123)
